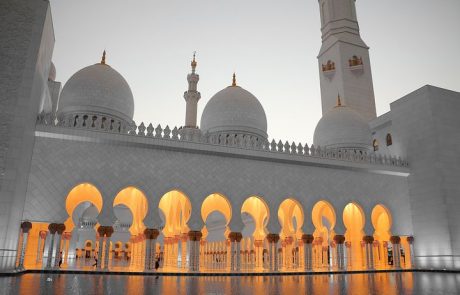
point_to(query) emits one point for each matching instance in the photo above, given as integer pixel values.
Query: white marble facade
(414, 175)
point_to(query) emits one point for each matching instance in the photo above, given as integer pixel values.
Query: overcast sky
(271, 44)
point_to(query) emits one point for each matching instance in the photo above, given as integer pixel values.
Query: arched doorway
(216, 213)
(83, 205)
(255, 215)
(291, 218)
(175, 211)
(130, 206)
(381, 220)
(323, 218)
(354, 219)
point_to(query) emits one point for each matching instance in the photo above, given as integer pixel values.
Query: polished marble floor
(377, 283)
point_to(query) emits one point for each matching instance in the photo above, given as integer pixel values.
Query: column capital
(273, 238)
(307, 238)
(195, 235)
(60, 228)
(235, 236)
(339, 239)
(26, 226)
(43, 234)
(52, 228)
(395, 239)
(109, 231)
(151, 233)
(368, 239)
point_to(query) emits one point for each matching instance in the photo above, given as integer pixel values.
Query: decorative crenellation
(241, 141)
(85, 121)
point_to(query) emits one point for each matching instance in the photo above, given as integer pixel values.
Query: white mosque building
(80, 179)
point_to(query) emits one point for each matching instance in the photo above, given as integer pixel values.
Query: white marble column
(108, 234)
(101, 231)
(339, 240)
(194, 258)
(25, 228)
(396, 242)
(57, 256)
(410, 240)
(273, 251)
(307, 251)
(368, 251)
(52, 228)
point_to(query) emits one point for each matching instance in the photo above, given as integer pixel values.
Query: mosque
(81, 180)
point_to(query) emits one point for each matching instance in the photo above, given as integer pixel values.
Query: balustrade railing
(248, 142)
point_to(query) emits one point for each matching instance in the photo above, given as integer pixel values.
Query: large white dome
(342, 127)
(97, 89)
(234, 110)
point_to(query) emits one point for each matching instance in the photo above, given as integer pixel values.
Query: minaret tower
(192, 96)
(344, 63)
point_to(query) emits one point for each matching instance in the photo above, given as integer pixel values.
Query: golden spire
(339, 103)
(194, 63)
(103, 58)
(234, 79)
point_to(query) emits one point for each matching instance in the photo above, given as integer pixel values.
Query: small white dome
(234, 110)
(52, 73)
(97, 89)
(342, 127)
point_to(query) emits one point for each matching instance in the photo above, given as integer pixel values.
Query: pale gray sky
(271, 44)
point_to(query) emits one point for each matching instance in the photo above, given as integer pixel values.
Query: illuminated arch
(353, 217)
(216, 203)
(257, 208)
(324, 219)
(382, 221)
(291, 218)
(84, 192)
(354, 220)
(176, 210)
(135, 200)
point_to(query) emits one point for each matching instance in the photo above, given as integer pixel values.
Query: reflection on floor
(405, 283)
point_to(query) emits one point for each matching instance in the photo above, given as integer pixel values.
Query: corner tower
(344, 63)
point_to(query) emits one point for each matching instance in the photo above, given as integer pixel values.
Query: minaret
(192, 96)
(344, 63)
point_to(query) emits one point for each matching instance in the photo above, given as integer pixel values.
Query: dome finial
(339, 102)
(194, 63)
(234, 79)
(103, 58)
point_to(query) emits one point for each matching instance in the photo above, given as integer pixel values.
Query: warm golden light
(136, 201)
(323, 218)
(84, 192)
(291, 217)
(216, 202)
(177, 209)
(259, 211)
(353, 219)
